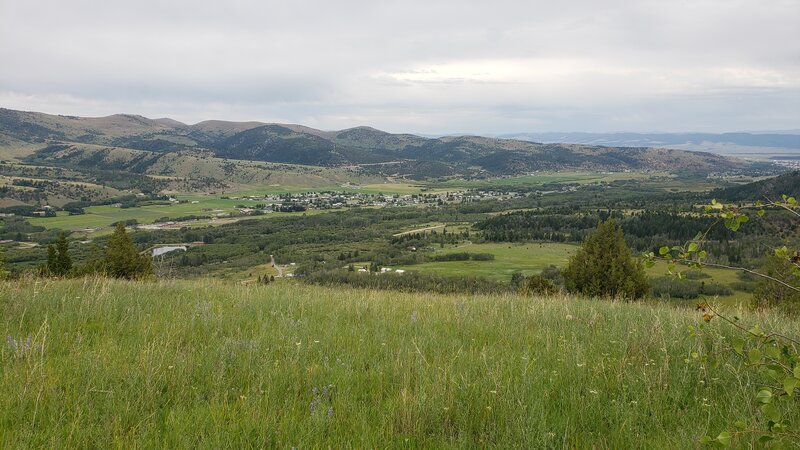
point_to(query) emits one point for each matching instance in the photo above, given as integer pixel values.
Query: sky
(433, 66)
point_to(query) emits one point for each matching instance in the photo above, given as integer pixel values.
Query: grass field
(722, 276)
(205, 365)
(509, 258)
(104, 216)
(531, 258)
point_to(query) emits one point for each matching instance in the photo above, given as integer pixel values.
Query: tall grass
(202, 364)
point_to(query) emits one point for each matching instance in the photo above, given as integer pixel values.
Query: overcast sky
(411, 66)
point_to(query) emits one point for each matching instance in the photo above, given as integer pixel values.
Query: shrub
(122, 260)
(772, 294)
(538, 285)
(603, 266)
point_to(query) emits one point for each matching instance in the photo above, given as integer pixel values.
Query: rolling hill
(43, 138)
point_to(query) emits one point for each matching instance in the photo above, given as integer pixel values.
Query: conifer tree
(122, 260)
(603, 266)
(3, 272)
(59, 263)
(51, 261)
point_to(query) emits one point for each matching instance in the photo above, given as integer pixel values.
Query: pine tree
(122, 260)
(603, 266)
(51, 261)
(59, 263)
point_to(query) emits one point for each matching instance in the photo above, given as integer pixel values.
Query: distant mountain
(745, 144)
(78, 141)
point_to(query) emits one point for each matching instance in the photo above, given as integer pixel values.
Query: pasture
(176, 364)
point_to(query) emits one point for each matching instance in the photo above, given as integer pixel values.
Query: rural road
(277, 267)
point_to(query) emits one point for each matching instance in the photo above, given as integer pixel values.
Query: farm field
(209, 365)
(531, 258)
(528, 258)
(105, 215)
(722, 276)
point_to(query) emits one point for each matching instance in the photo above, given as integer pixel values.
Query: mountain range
(132, 142)
(775, 145)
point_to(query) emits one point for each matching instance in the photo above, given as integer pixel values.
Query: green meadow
(529, 258)
(105, 215)
(96, 363)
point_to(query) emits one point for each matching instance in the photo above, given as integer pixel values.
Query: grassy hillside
(187, 365)
(32, 134)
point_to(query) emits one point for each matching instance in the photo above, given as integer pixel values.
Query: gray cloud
(424, 66)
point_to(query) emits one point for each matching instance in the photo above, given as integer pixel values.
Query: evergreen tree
(51, 261)
(122, 260)
(59, 263)
(603, 266)
(3, 272)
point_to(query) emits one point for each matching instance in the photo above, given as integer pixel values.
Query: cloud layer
(422, 66)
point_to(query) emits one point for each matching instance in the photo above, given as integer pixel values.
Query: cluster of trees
(119, 259)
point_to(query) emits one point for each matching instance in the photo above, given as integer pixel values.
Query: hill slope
(24, 134)
(201, 364)
(771, 188)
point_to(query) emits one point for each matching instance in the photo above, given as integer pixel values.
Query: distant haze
(433, 67)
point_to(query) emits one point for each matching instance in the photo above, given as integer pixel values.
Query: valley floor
(176, 364)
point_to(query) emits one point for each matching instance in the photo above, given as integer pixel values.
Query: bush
(538, 285)
(695, 274)
(671, 287)
(744, 286)
(769, 293)
(715, 289)
(603, 266)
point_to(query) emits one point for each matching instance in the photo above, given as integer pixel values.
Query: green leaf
(740, 425)
(692, 247)
(743, 218)
(789, 383)
(754, 355)
(771, 412)
(663, 250)
(792, 201)
(764, 396)
(649, 263)
(765, 438)
(773, 352)
(724, 438)
(738, 345)
(702, 254)
(796, 371)
(705, 440)
(760, 213)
